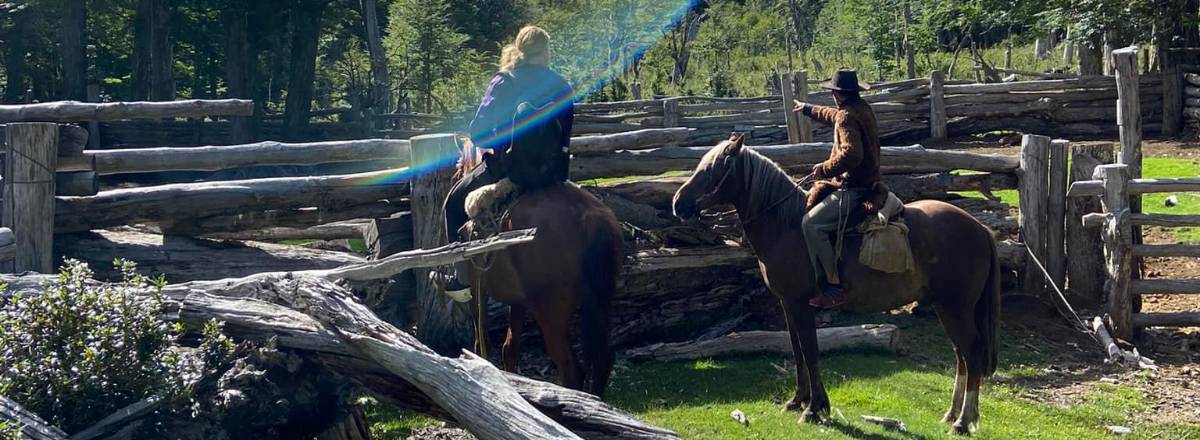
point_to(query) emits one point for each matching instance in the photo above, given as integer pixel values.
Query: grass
(1152, 168)
(695, 398)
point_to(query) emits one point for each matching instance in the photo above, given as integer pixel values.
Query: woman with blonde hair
(524, 119)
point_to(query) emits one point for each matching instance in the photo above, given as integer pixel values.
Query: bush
(78, 350)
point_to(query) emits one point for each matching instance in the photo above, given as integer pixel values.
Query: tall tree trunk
(162, 60)
(1089, 56)
(153, 71)
(381, 94)
(74, 28)
(306, 30)
(237, 68)
(910, 52)
(14, 63)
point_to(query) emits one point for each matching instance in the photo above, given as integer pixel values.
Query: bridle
(758, 214)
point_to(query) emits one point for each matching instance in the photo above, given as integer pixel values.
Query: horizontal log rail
(1166, 250)
(1089, 82)
(193, 200)
(1136, 186)
(74, 111)
(1165, 286)
(223, 157)
(1171, 319)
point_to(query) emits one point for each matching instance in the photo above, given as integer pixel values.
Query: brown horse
(956, 271)
(573, 263)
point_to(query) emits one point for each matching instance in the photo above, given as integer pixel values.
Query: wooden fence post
(1033, 198)
(1056, 212)
(671, 112)
(1118, 243)
(29, 201)
(1085, 268)
(93, 127)
(440, 324)
(1129, 121)
(1172, 80)
(790, 118)
(801, 87)
(937, 105)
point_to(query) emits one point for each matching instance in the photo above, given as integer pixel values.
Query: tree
(306, 25)
(427, 51)
(381, 89)
(74, 30)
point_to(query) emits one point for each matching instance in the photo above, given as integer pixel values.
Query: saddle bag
(885, 240)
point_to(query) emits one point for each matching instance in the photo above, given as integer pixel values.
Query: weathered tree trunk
(69, 111)
(74, 28)
(14, 57)
(187, 259)
(381, 92)
(237, 68)
(27, 423)
(879, 336)
(306, 18)
(162, 54)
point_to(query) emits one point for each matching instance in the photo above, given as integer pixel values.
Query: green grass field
(694, 398)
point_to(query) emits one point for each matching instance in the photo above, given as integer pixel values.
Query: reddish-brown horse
(956, 271)
(573, 263)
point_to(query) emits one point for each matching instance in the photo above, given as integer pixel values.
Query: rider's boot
(831, 296)
(456, 284)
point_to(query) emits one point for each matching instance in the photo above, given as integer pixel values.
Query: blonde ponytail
(531, 45)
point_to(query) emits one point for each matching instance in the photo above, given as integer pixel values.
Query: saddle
(879, 219)
(487, 207)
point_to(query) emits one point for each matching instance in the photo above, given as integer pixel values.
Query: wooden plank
(1033, 193)
(8, 244)
(801, 85)
(1172, 104)
(28, 424)
(440, 325)
(222, 157)
(876, 336)
(79, 183)
(1117, 243)
(188, 201)
(74, 111)
(671, 115)
(1056, 207)
(937, 106)
(790, 118)
(71, 140)
(292, 218)
(1085, 266)
(1175, 319)
(1166, 250)
(1181, 287)
(1138, 186)
(29, 200)
(1169, 220)
(1086, 82)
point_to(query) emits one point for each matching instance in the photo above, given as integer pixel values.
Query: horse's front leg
(818, 407)
(803, 393)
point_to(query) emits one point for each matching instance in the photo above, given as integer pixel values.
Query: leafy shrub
(78, 350)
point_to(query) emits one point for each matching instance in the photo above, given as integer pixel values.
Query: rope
(1061, 296)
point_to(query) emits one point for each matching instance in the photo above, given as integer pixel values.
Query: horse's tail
(987, 317)
(601, 261)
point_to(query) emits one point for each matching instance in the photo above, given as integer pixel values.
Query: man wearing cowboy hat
(847, 177)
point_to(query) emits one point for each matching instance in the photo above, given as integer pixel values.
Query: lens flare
(654, 19)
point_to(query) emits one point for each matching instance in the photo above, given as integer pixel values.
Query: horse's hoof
(795, 404)
(950, 417)
(811, 417)
(960, 428)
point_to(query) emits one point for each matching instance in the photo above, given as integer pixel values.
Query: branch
(449, 254)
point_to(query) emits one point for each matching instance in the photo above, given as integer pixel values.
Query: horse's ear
(736, 141)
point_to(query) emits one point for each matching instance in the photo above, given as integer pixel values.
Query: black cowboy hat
(845, 80)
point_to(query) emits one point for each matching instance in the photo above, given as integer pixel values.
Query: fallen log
(29, 424)
(174, 202)
(329, 231)
(879, 336)
(223, 157)
(74, 111)
(186, 259)
(301, 218)
(633, 140)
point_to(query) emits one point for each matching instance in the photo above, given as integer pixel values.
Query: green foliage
(78, 350)
(430, 62)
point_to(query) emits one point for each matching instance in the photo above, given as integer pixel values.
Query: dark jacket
(537, 85)
(854, 161)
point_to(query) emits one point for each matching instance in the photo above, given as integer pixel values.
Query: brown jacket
(855, 156)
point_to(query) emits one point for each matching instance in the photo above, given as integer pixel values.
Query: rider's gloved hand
(818, 171)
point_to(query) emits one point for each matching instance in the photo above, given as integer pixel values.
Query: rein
(757, 215)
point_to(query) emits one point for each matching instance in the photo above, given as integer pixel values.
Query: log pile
(1191, 99)
(310, 313)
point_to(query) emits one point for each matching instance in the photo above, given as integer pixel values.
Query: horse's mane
(767, 184)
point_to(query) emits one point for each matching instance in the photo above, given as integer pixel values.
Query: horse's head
(710, 183)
